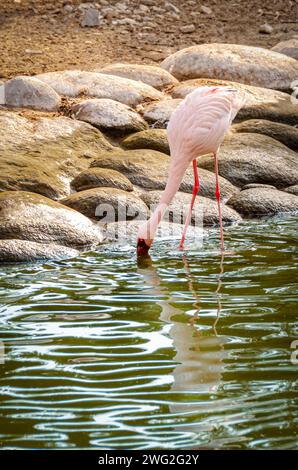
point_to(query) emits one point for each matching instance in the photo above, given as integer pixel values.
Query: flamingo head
(143, 247)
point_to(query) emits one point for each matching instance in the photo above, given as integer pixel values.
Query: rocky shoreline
(72, 141)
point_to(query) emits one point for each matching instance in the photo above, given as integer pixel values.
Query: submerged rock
(30, 216)
(98, 177)
(44, 154)
(29, 92)
(160, 113)
(149, 74)
(255, 158)
(148, 169)
(239, 63)
(289, 47)
(109, 115)
(107, 204)
(154, 139)
(75, 83)
(13, 251)
(263, 201)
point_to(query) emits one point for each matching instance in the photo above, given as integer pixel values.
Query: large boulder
(287, 135)
(109, 115)
(260, 103)
(159, 113)
(154, 139)
(12, 251)
(255, 158)
(239, 63)
(149, 169)
(289, 47)
(75, 83)
(205, 209)
(44, 154)
(108, 204)
(263, 201)
(150, 74)
(30, 216)
(29, 92)
(98, 177)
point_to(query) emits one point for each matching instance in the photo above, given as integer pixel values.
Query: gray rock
(255, 158)
(160, 113)
(107, 204)
(285, 134)
(43, 155)
(30, 216)
(155, 139)
(75, 83)
(109, 115)
(257, 185)
(265, 29)
(29, 92)
(263, 201)
(292, 189)
(91, 18)
(204, 208)
(188, 28)
(13, 251)
(150, 74)
(101, 177)
(289, 47)
(148, 169)
(261, 103)
(245, 64)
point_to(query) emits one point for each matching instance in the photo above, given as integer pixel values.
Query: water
(185, 353)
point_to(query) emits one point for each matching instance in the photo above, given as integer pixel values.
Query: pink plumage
(197, 127)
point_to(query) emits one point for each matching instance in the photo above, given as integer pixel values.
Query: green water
(182, 353)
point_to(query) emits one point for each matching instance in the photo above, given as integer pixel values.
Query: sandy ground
(38, 36)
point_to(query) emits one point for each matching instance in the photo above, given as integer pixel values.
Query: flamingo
(197, 127)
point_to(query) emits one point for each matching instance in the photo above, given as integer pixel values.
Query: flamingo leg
(194, 194)
(217, 194)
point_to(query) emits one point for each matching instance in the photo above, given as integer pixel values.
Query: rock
(289, 48)
(107, 204)
(29, 92)
(75, 83)
(255, 158)
(265, 29)
(98, 177)
(244, 64)
(160, 113)
(263, 201)
(90, 18)
(148, 169)
(292, 189)
(109, 115)
(189, 28)
(150, 74)
(154, 139)
(30, 216)
(261, 103)
(203, 207)
(257, 185)
(12, 251)
(206, 10)
(44, 154)
(287, 135)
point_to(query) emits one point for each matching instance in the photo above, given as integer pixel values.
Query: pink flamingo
(197, 127)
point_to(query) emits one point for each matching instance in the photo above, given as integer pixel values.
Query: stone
(154, 139)
(292, 189)
(29, 92)
(44, 154)
(148, 169)
(263, 201)
(257, 185)
(239, 63)
(287, 135)
(16, 251)
(189, 28)
(30, 216)
(149, 74)
(204, 207)
(91, 18)
(206, 10)
(289, 47)
(255, 158)
(265, 29)
(159, 113)
(75, 83)
(109, 115)
(107, 204)
(261, 103)
(98, 177)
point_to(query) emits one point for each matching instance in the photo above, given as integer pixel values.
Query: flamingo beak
(142, 247)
